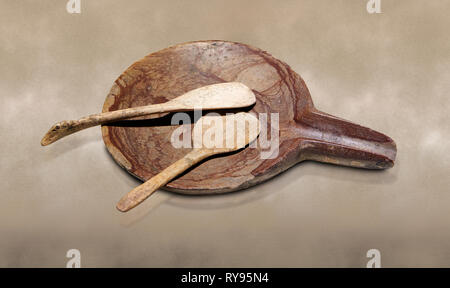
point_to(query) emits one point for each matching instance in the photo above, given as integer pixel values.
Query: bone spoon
(211, 97)
(230, 140)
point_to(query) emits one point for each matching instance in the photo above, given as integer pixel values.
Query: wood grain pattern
(143, 147)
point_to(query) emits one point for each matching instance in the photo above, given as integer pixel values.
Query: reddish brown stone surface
(143, 146)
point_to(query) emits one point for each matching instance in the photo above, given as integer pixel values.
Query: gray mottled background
(388, 71)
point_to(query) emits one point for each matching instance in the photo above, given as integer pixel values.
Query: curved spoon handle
(64, 128)
(140, 193)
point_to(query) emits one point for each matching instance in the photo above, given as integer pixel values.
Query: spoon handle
(140, 193)
(64, 128)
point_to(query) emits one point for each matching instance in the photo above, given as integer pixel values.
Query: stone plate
(143, 147)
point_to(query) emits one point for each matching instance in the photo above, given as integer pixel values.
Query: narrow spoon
(228, 133)
(211, 97)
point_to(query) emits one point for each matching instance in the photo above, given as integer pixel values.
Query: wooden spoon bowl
(143, 147)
